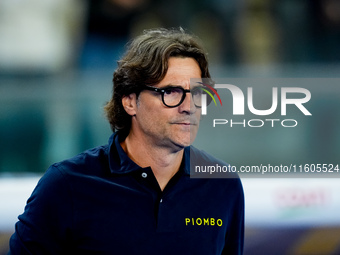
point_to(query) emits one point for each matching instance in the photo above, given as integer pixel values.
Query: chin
(186, 141)
(192, 137)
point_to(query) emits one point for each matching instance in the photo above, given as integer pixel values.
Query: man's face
(163, 126)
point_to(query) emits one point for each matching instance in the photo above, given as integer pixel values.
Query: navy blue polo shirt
(101, 202)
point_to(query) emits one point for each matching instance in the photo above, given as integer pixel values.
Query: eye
(172, 91)
(197, 91)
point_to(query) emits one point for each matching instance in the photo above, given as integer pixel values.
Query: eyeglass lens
(175, 96)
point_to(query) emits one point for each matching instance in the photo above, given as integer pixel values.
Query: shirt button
(144, 175)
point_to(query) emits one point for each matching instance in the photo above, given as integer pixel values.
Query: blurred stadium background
(56, 63)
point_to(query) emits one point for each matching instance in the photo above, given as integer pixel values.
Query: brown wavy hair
(146, 63)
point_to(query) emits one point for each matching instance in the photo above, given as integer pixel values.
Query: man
(135, 195)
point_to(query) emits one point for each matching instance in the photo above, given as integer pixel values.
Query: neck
(163, 161)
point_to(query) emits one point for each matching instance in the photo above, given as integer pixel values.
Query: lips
(186, 123)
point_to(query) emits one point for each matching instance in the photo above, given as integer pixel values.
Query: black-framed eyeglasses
(173, 96)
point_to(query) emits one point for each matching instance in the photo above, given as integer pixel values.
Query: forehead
(180, 71)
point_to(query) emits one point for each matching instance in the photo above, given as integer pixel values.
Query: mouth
(185, 124)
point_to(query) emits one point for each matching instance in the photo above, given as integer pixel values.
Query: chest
(128, 217)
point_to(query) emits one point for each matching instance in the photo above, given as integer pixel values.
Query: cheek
(198, 114)
(150, 115)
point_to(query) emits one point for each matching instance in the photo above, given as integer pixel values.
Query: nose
(187, 106)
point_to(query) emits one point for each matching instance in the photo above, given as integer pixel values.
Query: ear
(129, 103)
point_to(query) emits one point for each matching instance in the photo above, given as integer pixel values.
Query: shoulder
(60, 179)
(203, 156)
(90, 162)
(204, 165)
(214, 179)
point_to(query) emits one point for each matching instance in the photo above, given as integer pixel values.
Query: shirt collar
(186, 160)
(120, 163)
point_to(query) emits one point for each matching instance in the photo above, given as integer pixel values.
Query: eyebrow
(177, 86)
(169, 86)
